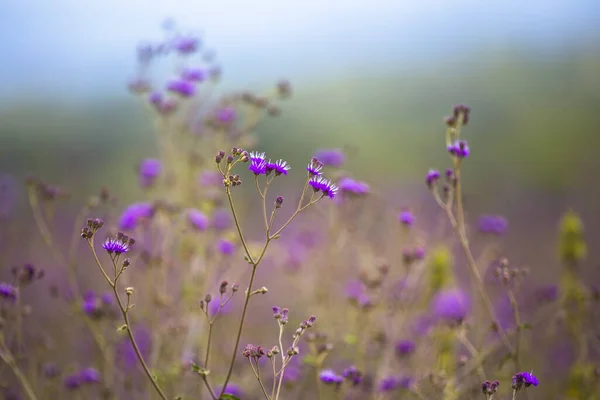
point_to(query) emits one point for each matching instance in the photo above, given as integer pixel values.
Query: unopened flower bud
(207, 298)
(223, 287)
(278, 201)
(235, 287)
(129, 291)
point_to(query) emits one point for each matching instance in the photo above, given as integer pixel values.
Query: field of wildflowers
(239, 276)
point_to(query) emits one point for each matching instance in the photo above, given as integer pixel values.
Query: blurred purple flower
(226, 115)
(155, 98)
(89, 375)
(181, 87)
(226, 247)
(353, 187)
(107, 298)
(329, 377)
(406, 218)
(451, 305)
(193, 74)
(8, 292)
(405, 347)
(493, 224)
(198, 219)
(149, 170)
(355, 289)
(432, 177)
(186, 44)
(389, 384)
(331, 157)
(132, 215)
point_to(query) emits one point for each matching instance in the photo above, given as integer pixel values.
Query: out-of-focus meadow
(374, 81)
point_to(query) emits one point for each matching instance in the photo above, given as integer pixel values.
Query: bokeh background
(373, 76)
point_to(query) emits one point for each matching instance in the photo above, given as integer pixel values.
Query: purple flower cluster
(149, 170)
(329, 377)
(353, 187)
(134, 214)
(459, 149)
(331, 157)
(320, 184)
(85, 376)
(8, 292)
(523, 380)
(451, 305)
(493, 224)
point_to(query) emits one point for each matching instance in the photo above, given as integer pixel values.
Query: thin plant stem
(467, 343)
(241, 327)
(257, 374)
(210, 329)
(517, 316)
(124, 311)
(8, 358)
(212, 393)
(283, 364)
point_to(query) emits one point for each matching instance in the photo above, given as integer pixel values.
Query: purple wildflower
(133, 214)
(8, 292)
(226, 115)
(432, 177)
(198, 219)
(320, 184)
(186, 44)
(464, 110)
(493, 224)
(451, 305)
(89, 375)
(155, 98)
(258, 165)
(280, 167)
(389, 384)
(522, 380)
(193, 74)
(329, 377)
(116, 246)
(226, 247)
(331, 157)
(149, 170)
(459, 149)
(405, 347)
(353, 187)
(181, 87)
(314, 167)
(406, 218)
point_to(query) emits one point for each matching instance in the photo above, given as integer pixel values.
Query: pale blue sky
(87, 46)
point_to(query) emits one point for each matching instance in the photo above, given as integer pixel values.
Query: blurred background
(374, 76)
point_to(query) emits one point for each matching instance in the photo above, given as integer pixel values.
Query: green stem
(515, 307)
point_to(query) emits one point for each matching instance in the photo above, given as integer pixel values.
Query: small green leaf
(229, 397)
(122, 328)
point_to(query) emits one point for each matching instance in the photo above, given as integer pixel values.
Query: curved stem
(239, 333)
(237, 225)
(10, 361)
(517, 316)
(135, 346)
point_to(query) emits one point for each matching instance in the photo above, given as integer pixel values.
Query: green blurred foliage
(534, 121)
